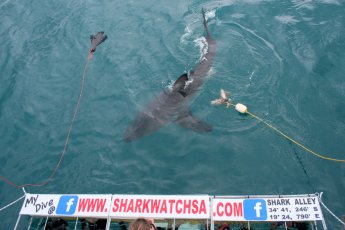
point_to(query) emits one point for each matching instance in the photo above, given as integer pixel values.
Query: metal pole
(45, 224)
(30, 223)
(39, 223)
(15, 227)
(76, 222)
(324, 224)
(108, 223)
(212, 221)
(108, 214)
(323, 220)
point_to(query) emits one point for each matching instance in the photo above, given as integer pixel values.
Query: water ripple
(284, 60)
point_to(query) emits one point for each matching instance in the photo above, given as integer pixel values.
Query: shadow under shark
(173, 105)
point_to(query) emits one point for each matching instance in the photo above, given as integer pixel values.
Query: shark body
(173, 105)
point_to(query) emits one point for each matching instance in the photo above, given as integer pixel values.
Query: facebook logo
(67, 205)
(255, 209)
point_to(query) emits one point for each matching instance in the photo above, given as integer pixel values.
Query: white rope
(330, 210)
(11, 203)
(332, 213)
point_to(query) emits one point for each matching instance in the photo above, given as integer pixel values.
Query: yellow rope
(292, 140)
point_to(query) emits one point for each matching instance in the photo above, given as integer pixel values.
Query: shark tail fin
(205, 23)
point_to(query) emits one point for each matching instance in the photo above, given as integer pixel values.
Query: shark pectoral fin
(195, 124)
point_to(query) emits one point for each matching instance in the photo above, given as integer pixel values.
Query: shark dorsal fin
(180, 84)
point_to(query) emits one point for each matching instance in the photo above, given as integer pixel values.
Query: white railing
(203, 208)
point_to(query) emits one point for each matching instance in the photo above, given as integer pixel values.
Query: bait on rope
(244, 110)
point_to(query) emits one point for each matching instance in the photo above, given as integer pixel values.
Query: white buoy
(241, 108)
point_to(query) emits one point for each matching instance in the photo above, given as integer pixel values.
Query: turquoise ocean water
(283, 59)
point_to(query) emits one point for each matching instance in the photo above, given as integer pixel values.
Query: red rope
(45, 182)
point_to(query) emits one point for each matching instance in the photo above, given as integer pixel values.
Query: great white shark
(173, 105)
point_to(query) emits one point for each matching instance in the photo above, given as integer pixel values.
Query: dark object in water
(96, 40)
(173, 106)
